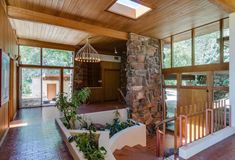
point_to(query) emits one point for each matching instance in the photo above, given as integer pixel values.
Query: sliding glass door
(30, 87)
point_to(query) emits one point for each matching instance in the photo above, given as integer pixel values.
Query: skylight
(129, 8)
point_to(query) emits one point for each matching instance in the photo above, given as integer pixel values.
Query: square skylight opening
(129, 8)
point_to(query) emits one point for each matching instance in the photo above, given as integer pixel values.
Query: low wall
(104, 117)
(197, 146)
(135, 135)
(131, 136)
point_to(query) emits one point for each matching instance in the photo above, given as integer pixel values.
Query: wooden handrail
(165, 121)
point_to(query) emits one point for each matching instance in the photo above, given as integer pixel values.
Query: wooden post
(172, 52)
(193, 47)
(61, 81)
(179, 81)
(221, 41)
(210, 84)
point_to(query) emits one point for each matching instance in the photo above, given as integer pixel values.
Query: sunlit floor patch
(18, 123)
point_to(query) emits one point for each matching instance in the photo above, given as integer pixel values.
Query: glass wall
(54, 57)
(40, 86)
(226, 40)
(30, 55)
(194, 79)
(201, 49)
(207, 44)
(31, 94)
(166, 56)
(68, 82)
(182, 50)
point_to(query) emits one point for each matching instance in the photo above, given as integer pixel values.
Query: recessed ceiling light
(129, 8)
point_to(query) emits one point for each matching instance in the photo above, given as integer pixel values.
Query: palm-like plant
(69, 105)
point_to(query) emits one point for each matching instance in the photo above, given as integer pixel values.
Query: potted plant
(69, 105)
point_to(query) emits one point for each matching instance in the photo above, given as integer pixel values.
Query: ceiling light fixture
(87, 54)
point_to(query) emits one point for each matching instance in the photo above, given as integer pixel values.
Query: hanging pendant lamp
(87, 54)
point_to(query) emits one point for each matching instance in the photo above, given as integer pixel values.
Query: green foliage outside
(182, 53)
(207, 51)
(51, 57)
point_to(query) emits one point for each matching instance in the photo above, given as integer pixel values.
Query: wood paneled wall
(98, 93)
(9, 45)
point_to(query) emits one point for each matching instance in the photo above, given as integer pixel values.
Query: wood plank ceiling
(167, 18)
(48, 33)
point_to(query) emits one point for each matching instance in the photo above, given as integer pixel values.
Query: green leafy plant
(69, 106)
(117, 125)
(88, 145)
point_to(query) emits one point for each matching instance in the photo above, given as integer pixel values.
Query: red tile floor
(40, 139)
(35, 136)
(224, 150)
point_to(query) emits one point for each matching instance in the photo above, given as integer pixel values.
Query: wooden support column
(193, 47)
(61, 81)
(179, 82)
(210, 78)
(172, 51)
(221, 41)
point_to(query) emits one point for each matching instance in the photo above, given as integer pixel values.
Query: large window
(41, 75)
(194, 79)
(207, 44)
(166, 56)
(204, 45)
(30, 55)
(53, 57)
(226, 40)
(182, 50)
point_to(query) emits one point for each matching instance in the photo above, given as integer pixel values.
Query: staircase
(137, 152)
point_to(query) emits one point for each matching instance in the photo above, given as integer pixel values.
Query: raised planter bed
(123, 138)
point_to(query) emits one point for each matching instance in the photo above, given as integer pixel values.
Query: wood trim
(198, 68)
(195, 28)
(193, 46)
(168, 86)
(179, 82)
(193, 87)
(210, 81)
(43, 44)
(172, 51)
(61, 81)
(47, 67)
(226, 5)
(221, 88)
(221, 41)
(24, 14)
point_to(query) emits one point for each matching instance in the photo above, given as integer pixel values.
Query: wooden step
(137, 152)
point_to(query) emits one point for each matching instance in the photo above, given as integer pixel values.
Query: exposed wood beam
(198, 68)
(227, 5)
(43, 44)
(24, 14)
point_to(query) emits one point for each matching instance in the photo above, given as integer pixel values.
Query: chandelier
(87, 54)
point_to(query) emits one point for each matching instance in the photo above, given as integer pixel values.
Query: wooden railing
(198, 124)
(194, 123)
(161, 135)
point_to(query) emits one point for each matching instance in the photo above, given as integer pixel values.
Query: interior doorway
(112, 83)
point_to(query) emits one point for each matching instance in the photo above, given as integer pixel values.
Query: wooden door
(111, 84)
(51, 91)
(192, 96)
